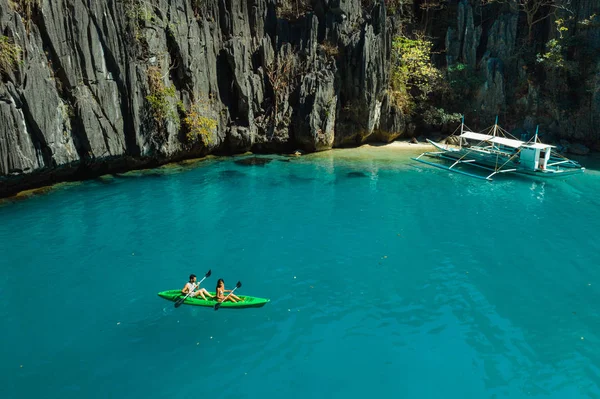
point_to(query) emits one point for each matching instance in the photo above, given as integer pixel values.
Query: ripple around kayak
(247, 301)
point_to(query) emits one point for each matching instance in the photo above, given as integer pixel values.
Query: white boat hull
(493, 161)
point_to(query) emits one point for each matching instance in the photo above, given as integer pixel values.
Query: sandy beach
(402, 145)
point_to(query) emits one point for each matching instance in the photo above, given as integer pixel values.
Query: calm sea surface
(386, 277)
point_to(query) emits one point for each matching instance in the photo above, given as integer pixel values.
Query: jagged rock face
(108, 84)
(113, 84)
(365, 111)
(462, 41)
(491, 96)
(502, 37)
(497, 48)
(595, 115)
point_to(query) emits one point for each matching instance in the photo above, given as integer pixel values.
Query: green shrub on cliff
(10, 55)
(413, 76)
(555, 58)
(198, 124)
(292, 9)
(25, 8)
(161, 98)
(462, 84)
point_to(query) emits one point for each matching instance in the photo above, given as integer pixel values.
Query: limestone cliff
(106, 85)
(97, 86)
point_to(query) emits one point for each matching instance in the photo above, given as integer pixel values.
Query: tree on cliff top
(535, 10)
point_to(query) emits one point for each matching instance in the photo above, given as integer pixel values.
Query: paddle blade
(238, 285)
(208, 273)
(180, 301)
(217, 305)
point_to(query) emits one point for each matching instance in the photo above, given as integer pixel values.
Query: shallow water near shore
(385, 276)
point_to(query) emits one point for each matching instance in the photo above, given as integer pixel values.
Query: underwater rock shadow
(230, 174)
(291, 179)
(253, 161)
(339, 178)
(138, 175)
(356, 175)
(105, 179)
(300, 179)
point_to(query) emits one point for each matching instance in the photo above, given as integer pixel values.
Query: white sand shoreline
(398, 145)
(403, 144)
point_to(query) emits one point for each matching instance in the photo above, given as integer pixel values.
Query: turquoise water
(386, 277)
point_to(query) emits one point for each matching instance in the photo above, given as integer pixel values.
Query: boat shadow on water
(526, 179)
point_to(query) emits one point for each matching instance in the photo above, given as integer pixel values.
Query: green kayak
(247, 301)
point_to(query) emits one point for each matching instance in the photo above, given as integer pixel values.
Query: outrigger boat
(497, 151)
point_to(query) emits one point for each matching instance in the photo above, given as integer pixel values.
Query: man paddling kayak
(191, 286)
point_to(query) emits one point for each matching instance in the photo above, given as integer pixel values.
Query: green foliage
(181, 107)
(593, 21)
(161, 98)
(330, 49)
(10, 54)
(463, 82)
(292, 9)
(413, 76)
(25, 8)
(139, 13)
(198, 124)
(392, 6)
(556, 50)
(553, 58)
(560, 27)
(438, 116)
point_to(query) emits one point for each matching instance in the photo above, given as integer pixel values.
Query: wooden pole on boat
(536, 133)
(495, 125)
(462, 123)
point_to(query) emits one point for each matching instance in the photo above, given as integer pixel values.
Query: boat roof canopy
(476, 136)
(539, 145)
(503, 140)
(507, 142)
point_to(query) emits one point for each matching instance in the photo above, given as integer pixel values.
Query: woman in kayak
(221, 290)
(191, 286)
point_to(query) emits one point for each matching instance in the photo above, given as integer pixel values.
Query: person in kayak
(221, 291)
(191, 285)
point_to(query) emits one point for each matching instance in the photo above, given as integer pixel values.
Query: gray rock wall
(496, 47)
(106, 85)
(78, 103)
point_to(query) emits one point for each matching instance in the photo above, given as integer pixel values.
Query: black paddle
(180, 301)
(218, 304)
